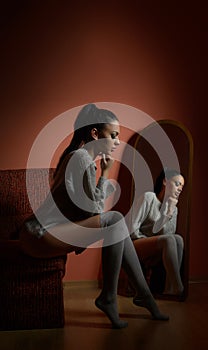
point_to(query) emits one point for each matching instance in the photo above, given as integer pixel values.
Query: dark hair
(165, 174)
(88, 118)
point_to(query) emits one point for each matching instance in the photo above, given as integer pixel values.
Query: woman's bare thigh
(62, 238)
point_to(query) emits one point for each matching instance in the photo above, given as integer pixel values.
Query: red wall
(56, 56)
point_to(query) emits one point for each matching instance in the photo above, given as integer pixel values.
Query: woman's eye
(113, 136)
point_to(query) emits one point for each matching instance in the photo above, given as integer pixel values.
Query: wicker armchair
(31, 290)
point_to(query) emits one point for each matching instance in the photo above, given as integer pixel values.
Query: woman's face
(108, 138)
(174, 186)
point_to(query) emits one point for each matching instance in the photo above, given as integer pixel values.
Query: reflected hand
(171, 204)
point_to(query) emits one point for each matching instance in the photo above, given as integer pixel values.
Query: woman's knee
(167, 241)
(179, 241)
(114, 227)
(110, 218)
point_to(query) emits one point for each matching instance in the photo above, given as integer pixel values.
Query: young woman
(154, 223)
(72, 217)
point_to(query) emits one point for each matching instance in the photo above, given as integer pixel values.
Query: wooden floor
(88, 328)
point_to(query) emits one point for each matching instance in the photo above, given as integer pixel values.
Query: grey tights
(172, 253)
(121, 252)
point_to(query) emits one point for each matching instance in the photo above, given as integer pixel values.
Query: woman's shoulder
(81, 155)
(149, 196)
(80, 159)
(146, 198)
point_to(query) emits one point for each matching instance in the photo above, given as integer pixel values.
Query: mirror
(152, 148)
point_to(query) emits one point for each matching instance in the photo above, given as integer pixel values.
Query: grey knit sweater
(149, 217)
(75, 194)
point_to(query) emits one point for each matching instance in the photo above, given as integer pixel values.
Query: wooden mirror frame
(182, 143)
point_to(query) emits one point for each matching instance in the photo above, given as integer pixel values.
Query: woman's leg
(61, 241)
(180, 248)
(169, 248)
(171, 261)
(113, 227)
(107, 300)
(114, 232)
(113, 256)
(133, 268)
(44, 247)
(61, 238)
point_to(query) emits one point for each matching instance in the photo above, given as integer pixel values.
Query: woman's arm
(148, 219)
(140, 212)
(168, 218)
(81, 183)
(98, 193)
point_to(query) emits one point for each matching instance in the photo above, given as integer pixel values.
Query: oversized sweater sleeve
(148, 219)
(81, 184)
(165, 224)
(139, 214)
(97, 193)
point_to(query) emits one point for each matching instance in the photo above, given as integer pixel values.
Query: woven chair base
(31, 293)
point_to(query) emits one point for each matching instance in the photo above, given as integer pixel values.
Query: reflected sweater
(149, 217)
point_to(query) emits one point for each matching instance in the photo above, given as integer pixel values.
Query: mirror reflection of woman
(154, 223)
(80, 199)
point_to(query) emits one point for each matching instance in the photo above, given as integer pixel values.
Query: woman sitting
(154, 223)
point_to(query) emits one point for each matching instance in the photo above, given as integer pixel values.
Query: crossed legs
(113, 256)
(117, 250)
